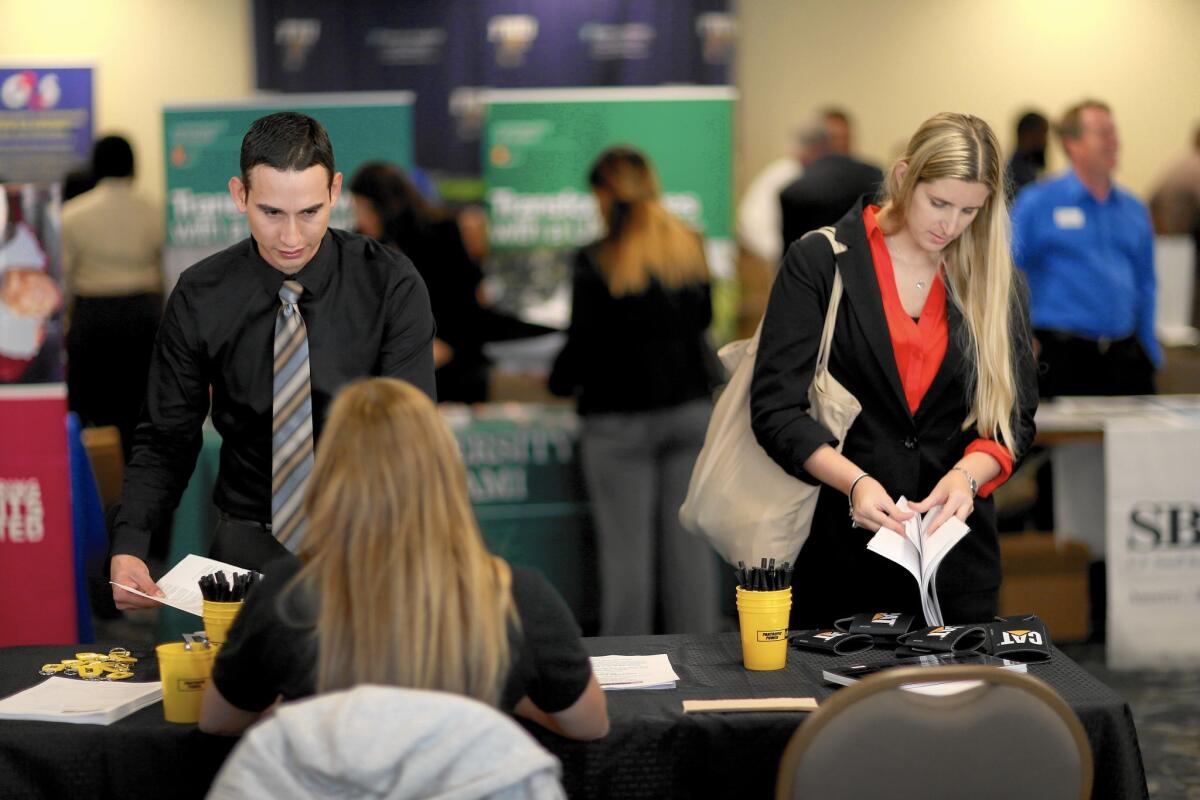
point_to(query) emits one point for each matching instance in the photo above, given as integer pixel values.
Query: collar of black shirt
(313, 276)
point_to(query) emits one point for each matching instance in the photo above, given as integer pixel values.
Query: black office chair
(1007, 735)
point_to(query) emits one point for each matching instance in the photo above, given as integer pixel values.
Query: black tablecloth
(142, 755)
(653, 751)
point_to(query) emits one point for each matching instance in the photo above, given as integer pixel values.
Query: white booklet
(91, 702)
(634, 672)
(182, 582)
(921, 554)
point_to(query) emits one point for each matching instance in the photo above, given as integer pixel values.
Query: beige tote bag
(739, 498)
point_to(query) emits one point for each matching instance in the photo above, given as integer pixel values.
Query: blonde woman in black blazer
(932, 337)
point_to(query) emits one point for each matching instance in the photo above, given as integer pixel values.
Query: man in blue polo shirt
(1087, 248)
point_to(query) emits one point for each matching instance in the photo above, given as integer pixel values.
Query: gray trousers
(637, 467)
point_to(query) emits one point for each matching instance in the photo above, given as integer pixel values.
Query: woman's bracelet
(850, 492)
(971, 482)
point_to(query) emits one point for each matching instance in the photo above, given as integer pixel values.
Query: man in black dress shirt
(366, 311)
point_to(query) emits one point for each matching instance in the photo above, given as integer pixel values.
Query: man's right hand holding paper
(132, 571)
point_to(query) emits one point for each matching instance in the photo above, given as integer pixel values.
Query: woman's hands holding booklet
(874, 508)
(953, 494)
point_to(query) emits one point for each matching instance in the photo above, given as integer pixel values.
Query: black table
(653, 751)
(139, 756)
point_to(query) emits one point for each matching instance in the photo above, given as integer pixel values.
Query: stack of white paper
(634, 672)
(921, 554)
(67, 700)
(182, 583)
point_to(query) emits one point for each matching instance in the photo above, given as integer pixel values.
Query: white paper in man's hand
(181, 583)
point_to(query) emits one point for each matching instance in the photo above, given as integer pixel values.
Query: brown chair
(1009, 735)
(103, 447)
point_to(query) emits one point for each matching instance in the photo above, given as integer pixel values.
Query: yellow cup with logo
(184, 673)
(763, 617)
(218, 617)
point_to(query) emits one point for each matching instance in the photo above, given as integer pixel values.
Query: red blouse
(920, 346)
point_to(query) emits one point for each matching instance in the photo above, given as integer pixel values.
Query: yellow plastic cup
(184, 673)
(218, 617)
(764, 623)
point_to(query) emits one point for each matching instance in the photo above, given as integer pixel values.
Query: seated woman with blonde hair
(394, 586)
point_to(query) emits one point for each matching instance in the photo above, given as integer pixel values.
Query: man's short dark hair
(1031, 122)
(112, 157)
(286, 141)
(1071, 125)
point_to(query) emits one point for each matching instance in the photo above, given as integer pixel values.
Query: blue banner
(449, 51)
(45, 122)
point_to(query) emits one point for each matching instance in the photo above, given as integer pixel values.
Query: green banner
(202, 145)
(541, 143)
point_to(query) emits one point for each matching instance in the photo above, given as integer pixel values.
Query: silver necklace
(921, 284)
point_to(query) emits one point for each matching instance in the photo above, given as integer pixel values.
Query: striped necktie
(292, 430)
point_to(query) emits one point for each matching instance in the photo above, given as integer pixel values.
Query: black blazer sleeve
(1024, 371)
(787, 357)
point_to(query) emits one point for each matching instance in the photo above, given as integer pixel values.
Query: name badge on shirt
(1068, 218)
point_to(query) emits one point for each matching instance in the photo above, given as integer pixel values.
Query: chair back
(1007, 734)
(388, 743)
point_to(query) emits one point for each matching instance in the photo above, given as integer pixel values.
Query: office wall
(893, 64)
(146, 53)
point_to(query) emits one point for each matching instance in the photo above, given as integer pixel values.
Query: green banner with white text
(539, 145)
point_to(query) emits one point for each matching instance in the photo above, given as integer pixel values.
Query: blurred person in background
(1175, 201)
(759, 228)
(831, 183)
(1175, 207)
(931, 337)
(760, 225)
(638, 362)
(760, 218)
(112, 241)
(841, 130)
(1087, 248)
(390, 209)
(78, 181)
(1029, 159)
(446, 247)
(394, 586)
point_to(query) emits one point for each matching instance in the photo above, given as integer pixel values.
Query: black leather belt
(1101, 345)
(249, 523)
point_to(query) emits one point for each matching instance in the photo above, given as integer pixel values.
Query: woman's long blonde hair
(642, 239)
(979, 265)
(408, 593)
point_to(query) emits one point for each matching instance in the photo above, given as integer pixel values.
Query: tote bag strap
(835, 300)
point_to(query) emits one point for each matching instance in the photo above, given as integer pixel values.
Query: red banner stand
(37, 570)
